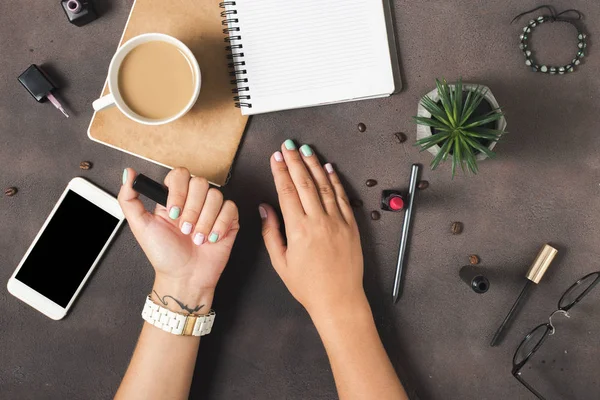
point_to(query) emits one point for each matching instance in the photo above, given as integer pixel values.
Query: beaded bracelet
(527, 30)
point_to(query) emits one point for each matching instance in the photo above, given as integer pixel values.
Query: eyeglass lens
(529, 344)
(576, 291)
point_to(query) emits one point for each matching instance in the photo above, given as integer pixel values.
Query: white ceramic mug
(114, 98)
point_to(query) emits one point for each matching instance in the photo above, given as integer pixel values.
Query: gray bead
(527, 53)
(540, 18)
(552, 70)
(580, 37)
(527, 62)
(580, 45)
(544, 68)
(577, 62)
(561, 69)
(521, 46)
(521, 36)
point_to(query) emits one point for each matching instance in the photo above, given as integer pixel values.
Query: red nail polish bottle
(392, 200)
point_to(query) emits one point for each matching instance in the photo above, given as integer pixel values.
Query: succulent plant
(458, 132)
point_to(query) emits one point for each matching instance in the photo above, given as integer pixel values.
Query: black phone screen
(67, 249)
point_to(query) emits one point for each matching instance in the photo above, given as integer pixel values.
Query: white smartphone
(67, 248)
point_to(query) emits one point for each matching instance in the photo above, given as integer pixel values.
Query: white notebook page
(301, 53)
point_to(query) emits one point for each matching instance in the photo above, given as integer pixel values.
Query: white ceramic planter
(425, 131)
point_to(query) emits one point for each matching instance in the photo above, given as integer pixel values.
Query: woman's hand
(188, 242)
(322, 263)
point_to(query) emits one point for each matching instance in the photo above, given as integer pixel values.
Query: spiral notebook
(292, 54)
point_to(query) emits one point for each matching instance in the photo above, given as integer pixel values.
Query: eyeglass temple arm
(532, 390)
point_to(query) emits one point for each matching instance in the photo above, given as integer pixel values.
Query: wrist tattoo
(184, 307)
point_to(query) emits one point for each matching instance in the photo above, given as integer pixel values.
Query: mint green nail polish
(289, 144)
(306, 150)
(174, 212)
(124, 176)
(213, 237)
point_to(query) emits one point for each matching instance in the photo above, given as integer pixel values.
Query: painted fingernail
(174, 212)
(289, 144)
(125, 176)
(278, 156)
(213, 237)
(186, 228)
(306, 150)
(198, 239)
(329, 168)
(263, 212)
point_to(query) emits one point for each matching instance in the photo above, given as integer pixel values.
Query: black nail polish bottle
(79, 12)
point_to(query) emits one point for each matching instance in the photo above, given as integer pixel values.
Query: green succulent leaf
(444, 93)
(435, 110)
(478, 146)
(442, 154)
(457, 100)
(470, 159)
(432, 140)
(455, 158)
(492, 116)
(432, 123)
(487, 136)
(478, 94)
(458, 153)
(464, 107)
(496, 132)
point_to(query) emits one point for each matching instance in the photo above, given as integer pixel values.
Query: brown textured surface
(206, 139)
(544, 187)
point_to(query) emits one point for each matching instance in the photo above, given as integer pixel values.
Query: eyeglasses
(534, 340)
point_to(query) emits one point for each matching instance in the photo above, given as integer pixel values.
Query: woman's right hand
(322, 262)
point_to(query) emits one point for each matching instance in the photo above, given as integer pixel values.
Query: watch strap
(176, 323)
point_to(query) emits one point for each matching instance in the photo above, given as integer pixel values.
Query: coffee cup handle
(104, 102)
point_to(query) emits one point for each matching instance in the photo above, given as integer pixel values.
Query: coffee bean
(356, 203)
(400, 137)
(85, 165)
(361, 127)
(474, 259)
(11, 191)
(375, 215)
(422, 185)
(457, 228)
(371, 182)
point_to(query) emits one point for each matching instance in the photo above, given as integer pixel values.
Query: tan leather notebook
(206, 139)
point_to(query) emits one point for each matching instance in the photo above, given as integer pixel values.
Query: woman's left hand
(188, 243)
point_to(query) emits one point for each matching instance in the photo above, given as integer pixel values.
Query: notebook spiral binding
(235, 54)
